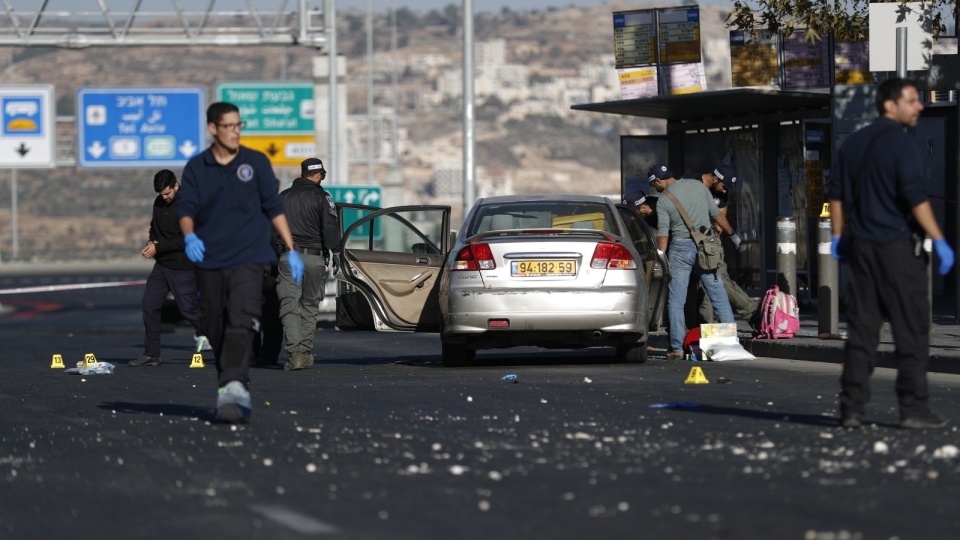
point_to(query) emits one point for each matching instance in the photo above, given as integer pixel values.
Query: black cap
(311, 166)
(726, 173)
(659, 172)
(635, 198)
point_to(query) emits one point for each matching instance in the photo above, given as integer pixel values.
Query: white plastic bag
(99, 368)
(721, 352)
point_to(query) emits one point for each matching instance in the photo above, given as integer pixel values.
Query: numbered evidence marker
(89, 359)
(696, 376)
(57, 362)
(197, 361)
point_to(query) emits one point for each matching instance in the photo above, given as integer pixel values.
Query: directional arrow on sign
(187, 148)
(348, 197)
(96, 149)
(272, 150)
(22, 149)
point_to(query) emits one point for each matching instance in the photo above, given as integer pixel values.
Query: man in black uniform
(746, 307)
(313, 223)
(878, 183)
(172, 271)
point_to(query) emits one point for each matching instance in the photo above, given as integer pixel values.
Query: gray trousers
(300, 304)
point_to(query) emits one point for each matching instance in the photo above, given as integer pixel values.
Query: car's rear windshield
(543, 215)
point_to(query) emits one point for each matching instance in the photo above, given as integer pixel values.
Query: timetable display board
(679, 35)
(852, 63)
(806, 64)
(754, 62)
(684, 78)
(634, 38)
(638, 83)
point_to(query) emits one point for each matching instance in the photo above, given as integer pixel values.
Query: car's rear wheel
(632, 354)
(456, 355)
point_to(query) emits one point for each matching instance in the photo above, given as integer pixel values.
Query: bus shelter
(781, 143)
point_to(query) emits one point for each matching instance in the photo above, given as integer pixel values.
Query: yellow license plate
(543, 268)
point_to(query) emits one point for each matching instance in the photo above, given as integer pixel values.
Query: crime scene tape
(71, 287)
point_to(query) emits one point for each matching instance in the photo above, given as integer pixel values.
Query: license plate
(543, 268)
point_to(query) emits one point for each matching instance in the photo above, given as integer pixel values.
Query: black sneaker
(146, 361)
(922, 420)
(851, 420)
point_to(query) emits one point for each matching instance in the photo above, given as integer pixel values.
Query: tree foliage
(845, 19)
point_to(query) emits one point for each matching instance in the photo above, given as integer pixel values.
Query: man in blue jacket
(229, 198)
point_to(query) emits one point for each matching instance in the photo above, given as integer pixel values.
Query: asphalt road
(379, 441)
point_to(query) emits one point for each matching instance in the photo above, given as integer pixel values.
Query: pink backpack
(779, 315)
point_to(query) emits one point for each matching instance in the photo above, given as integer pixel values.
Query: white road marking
(301, 523)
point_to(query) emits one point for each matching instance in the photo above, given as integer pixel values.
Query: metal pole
(330, 15)
(469, 180)
(902, 52)
(369, 91)
(393, 81)
(787, 254)
(15, 248)
(828, 291)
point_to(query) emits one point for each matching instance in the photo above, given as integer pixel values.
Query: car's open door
(655, 265)
(389, 266)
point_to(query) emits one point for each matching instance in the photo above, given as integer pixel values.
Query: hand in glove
(837, 248)
(945, 253)
(735, 238)
(296, 266)
(195, 248)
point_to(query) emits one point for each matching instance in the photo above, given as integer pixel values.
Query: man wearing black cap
(682, 252)
(740, 301)
(313, 223)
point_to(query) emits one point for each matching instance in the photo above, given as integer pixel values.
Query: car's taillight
(474, 257)
(614, 256)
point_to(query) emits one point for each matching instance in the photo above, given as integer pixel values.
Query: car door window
(394, 257)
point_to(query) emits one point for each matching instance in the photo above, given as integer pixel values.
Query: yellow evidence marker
(89, 359)
(696, 376)
(57, 362)
(197, 361)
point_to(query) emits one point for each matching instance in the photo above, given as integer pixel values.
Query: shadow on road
(166, 409)
(773, 416)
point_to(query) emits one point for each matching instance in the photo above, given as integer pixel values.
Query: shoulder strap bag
(709, 249)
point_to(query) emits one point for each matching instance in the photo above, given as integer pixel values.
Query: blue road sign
(139, 127)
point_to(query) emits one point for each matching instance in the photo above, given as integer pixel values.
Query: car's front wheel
(632, 354)
(456, 355)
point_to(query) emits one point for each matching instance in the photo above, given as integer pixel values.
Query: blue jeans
(682, 255)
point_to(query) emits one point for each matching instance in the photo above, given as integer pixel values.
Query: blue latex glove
(837, 250)
(296, 266)
(195, 247)
(945, 253)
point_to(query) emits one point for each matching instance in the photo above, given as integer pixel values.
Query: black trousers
(230, 315)
(269, 341)
(887, 282)
(183, 284)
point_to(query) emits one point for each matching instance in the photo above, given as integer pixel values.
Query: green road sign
(271, 108)
(366, 195)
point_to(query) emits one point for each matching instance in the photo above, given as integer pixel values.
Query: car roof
(573, 197)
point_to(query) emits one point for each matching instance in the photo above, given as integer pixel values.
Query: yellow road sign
(283, 150)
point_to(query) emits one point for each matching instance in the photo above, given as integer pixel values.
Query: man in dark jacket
(878, 182)
(312, 216)
(172, 272)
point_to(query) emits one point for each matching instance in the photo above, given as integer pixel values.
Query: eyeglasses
(230, 127)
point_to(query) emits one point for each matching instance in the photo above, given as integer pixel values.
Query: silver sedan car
(553, 271)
